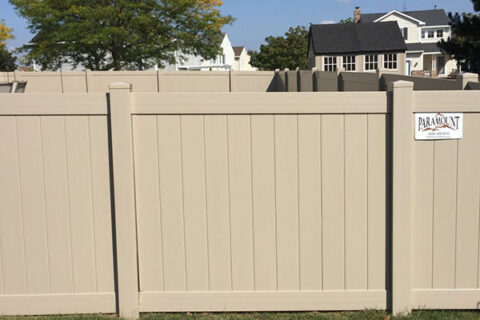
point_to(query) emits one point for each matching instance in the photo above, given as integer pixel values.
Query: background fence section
(56, 253)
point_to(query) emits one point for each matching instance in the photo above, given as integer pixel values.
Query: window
(330, 64)
(423, 34)
(371, 62)
(431, 34)
(349, 63)
(390, 61)
(439, 33)
(404, 33)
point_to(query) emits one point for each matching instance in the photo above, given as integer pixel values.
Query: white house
(242, 60)
(421, 31)
(231, 59)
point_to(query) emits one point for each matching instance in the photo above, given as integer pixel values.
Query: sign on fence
(435, 126)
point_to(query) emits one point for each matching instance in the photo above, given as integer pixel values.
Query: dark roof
(238, 50)
(356, 38)
(436, 17)
(424, 47)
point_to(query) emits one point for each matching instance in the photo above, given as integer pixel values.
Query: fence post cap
(120, 85)
(402, 84)
(472, 76)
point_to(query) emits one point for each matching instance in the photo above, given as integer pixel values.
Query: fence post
(88, 80)
(402, 142)
(124, 199)
(464, 79)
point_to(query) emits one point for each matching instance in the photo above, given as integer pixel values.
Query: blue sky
(257, 19)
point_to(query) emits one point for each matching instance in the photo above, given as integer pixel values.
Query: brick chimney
(357, 15)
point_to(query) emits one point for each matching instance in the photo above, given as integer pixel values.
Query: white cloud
(327, 22)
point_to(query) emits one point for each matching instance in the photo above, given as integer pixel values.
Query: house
(242, 59)
(421, 30)
(232, 58)
(357, 47)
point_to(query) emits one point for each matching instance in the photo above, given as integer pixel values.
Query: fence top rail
(260, 103)
(446, 101)
(53, 104)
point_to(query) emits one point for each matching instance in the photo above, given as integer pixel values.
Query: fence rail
(136, 202)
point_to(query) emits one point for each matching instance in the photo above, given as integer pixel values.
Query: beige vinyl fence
(144, 81)
(140, 202)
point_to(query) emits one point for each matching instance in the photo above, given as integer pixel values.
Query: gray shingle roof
(425, 47)
(238, 50)
(344, 38)
(436, 17)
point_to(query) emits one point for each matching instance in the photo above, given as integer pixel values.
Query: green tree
(464, 45)
(288, 51)
(120, 34)
(7, 60)
(346, 20)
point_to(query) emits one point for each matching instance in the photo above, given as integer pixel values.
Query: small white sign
(438, 126)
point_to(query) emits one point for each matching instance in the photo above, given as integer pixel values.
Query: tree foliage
(120, 34)
(5, 34)
(346, 20)
(7, 60)
(464, 45)
(288, 51)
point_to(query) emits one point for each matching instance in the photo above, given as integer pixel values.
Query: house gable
(399, 15)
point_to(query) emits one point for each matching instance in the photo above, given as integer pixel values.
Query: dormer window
(431, 34)
(439, 33)
(423, 34)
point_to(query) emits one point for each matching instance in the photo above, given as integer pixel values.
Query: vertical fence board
(356, 250)
(263, 175)
(310, 201)
(241, 202)
(286, 165)
(101, 203)
(57, 205)
(11, 215)
(171, 195)
(377, 199)
(468, 204)
(423, 170)
(218, 212)
(333, 205)
(193, 163)
(149, 220)
(81, 211)
(444, 214)
(33, 204)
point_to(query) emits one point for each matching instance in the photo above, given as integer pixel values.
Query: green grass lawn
(364, 315)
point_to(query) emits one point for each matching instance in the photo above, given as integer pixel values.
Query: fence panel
(261, 202)
(446, 208)
(55, 214)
